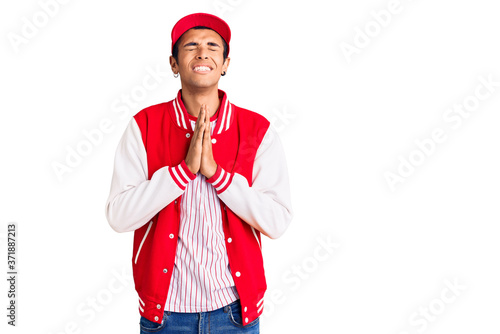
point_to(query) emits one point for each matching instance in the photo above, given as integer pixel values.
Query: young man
(199, 180)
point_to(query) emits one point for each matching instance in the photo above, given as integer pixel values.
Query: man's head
(175, 48)
(200, 49)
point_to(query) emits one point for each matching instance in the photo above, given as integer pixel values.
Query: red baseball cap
(201, 19)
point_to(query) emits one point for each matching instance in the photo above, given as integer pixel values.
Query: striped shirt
(201, 279)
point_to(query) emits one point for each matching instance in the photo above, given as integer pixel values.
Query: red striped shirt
(201, 279)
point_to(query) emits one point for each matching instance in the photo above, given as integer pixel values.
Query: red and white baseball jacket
(150, 176)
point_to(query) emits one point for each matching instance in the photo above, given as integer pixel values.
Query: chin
(202, 83)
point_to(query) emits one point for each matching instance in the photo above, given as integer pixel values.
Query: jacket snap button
(158, 306)
(165, 270)
(238, 274)
(246, 319)
(156, 318)
(188, 135)
(229, 240)
(245, 309)
(214, 140)
(171, 235)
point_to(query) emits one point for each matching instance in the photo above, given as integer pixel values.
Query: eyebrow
(195, 44)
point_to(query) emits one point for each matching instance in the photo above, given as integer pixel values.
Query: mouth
(202, 69)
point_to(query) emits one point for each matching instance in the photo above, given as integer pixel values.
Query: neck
(194, 99)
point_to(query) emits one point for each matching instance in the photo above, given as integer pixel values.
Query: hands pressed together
(200, 157)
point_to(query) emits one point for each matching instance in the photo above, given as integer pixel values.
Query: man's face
(200, 58)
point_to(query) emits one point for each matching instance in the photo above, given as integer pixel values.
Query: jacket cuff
(220, 180)
(181, 175)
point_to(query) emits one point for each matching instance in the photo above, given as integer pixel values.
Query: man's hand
(208, 166)
(199, 157)
(193, 157)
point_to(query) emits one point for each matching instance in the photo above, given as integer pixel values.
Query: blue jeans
(225, 320)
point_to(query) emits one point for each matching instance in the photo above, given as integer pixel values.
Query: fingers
(202, 126)
(201, 117)
(207, 123)
(199, 127)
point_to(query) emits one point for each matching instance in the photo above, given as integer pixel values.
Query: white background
(347, 124)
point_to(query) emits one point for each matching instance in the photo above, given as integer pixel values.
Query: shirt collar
(224, 114)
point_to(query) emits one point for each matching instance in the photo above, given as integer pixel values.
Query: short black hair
(175, 50)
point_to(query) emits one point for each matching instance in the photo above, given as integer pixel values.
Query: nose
(202, 53)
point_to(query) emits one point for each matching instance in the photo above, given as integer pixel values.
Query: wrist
(211, 170)
(181, 175)
(220, 180)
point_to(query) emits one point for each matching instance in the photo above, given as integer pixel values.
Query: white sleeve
(133, 199)
(266, 205)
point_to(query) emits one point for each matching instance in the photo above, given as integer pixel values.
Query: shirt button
(229, 240)
(245, 309)
(238, 274)
(246, 319)
(165, 270)
(188, 135)
(171, 235)
(156, 318)
(214, 140)
(158, 306)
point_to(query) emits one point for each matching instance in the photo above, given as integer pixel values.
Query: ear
(173, 65)
(226, 64)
